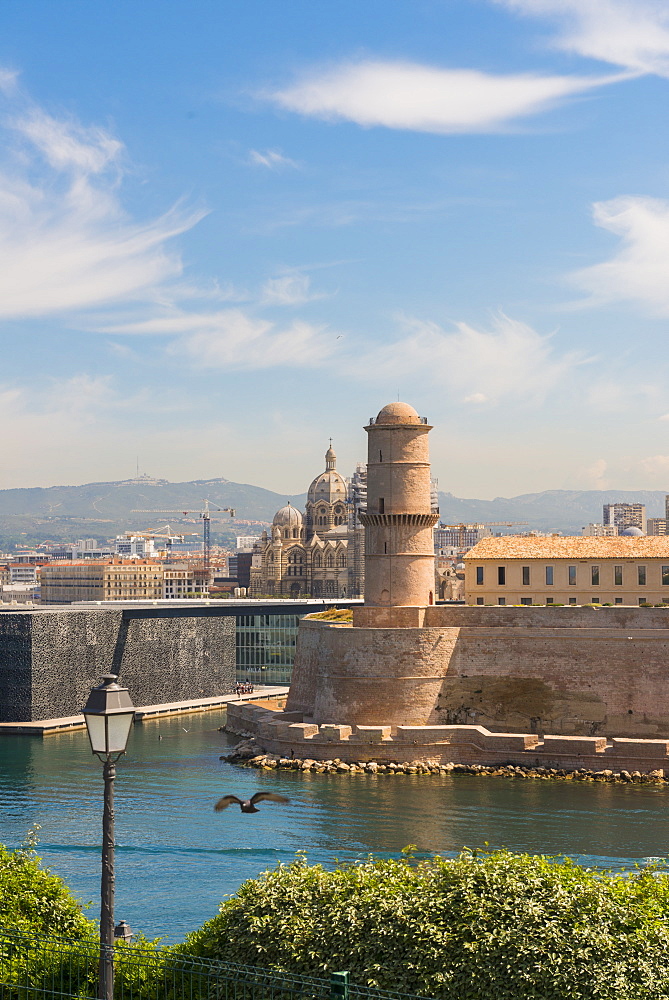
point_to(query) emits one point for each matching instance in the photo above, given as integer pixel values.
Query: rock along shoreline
(248, 753)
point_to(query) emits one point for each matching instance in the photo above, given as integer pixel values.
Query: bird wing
(270, 796)
(226, 801)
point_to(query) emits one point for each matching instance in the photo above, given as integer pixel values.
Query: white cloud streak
(289, 290)
(401, 95)
(272, 159)
(508, 361)
(65, 241)
(629, 33)
(638, 271)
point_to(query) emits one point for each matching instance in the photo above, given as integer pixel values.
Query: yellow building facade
(568, 570)
(116, 580)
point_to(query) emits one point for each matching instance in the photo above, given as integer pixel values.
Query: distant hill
(553, 510)
(102, 510)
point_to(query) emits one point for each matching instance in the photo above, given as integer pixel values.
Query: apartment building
(111, 580)
(568, 570)
(625, 515)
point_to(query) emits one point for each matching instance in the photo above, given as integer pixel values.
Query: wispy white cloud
(595, 476)
(403, 95)
(630, 33)
(233, 339)
(66, 242)
(638, 270)
(272, 159)
(508, 361)
(288, 290)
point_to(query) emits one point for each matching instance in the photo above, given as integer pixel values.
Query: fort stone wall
(563, 671)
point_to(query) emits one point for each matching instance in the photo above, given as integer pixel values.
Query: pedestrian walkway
(47, 727)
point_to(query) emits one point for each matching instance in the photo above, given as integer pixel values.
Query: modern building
(568, 570)
(180, 580)
(265, 630)
(600, 531)
(625, 515)
(656, 526)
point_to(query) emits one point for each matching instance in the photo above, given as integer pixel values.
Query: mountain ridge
(103, 509)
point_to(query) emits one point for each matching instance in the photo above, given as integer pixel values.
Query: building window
(526, 600)
(501, 575)
(618, 600)
(549, 576)
(618, 576)
(479, 600)
(572, 600)
(526, 576)
(596, 599)
(479, 575)
(572, 581)
(642, 600)
(665, 576)
(641, 570)
(594, 570)
(549, 600)
(501, 600)
(382, 505)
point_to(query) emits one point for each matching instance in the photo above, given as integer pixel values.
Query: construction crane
(205, 514)
(164, 532)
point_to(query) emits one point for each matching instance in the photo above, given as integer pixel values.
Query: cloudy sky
(230, 230)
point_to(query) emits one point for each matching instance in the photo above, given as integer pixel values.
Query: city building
(625, 515)
(459, 536)
(111, 580)
(656, 526)
(568, 570)
(180, 580)
(307, 555)
(600, 531)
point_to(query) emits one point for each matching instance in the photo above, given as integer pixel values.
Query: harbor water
(176, 858)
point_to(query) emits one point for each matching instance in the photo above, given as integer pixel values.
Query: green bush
(35, 901)
(496, 925)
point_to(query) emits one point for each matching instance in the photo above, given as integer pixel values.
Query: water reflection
(176, 858)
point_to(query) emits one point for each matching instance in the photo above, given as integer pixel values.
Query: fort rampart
(575, 671)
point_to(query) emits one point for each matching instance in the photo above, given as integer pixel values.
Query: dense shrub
(497, 925)
(35, 901)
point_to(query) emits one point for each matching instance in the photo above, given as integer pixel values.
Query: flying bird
(249, 805)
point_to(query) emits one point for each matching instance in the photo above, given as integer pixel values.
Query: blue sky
(229, 231)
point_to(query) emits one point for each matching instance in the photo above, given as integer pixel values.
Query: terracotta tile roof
(570, 547)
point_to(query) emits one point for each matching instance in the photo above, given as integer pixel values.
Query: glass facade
(266, 647)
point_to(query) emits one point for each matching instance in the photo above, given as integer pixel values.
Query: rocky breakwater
(249, 753)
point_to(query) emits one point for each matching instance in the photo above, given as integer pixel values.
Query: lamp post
(108, 713)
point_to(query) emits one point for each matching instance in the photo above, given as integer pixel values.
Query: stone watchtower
(399, 549)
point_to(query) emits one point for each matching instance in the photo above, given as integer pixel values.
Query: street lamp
(108, 713)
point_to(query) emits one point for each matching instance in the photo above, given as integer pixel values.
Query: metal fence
(56, 969)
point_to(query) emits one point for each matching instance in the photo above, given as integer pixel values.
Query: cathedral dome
(398, 413)
(329, 486)
(288, 517)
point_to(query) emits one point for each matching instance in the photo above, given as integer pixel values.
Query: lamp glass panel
(118, 730)
(96, 732)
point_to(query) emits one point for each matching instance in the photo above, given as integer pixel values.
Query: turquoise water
(176, 858)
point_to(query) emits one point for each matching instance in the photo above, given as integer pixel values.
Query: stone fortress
(408, 680)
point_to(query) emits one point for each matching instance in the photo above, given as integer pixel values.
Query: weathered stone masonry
(50, 659)
(564, 671)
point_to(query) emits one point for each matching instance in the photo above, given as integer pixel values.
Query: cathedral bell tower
(399, 549)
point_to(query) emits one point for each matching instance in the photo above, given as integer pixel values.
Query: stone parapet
(448, 744)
